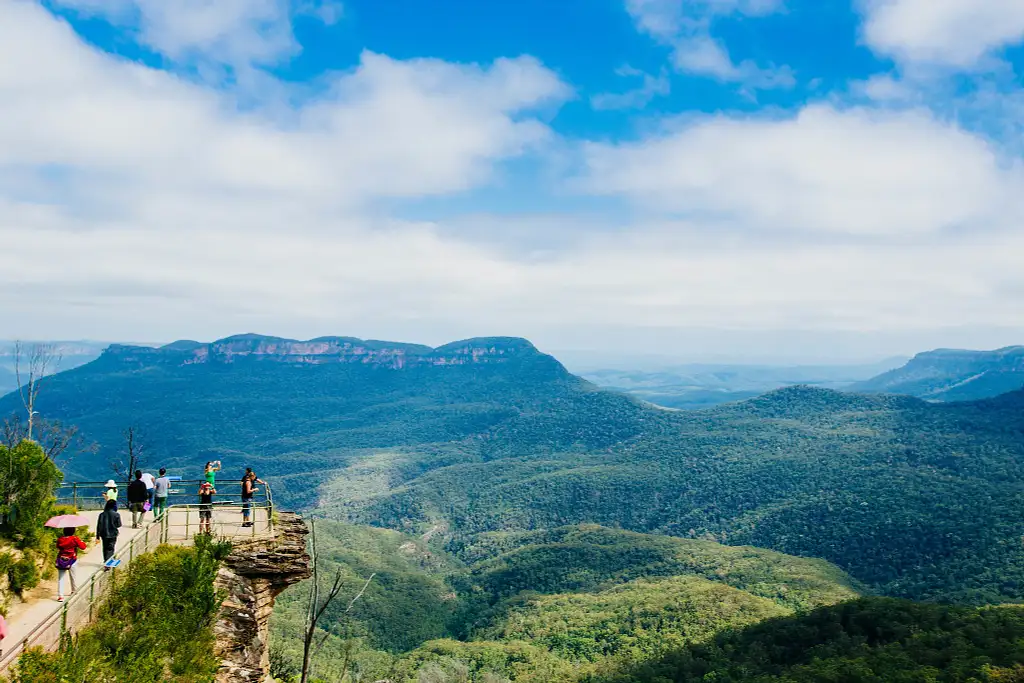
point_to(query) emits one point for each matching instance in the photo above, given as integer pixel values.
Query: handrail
(88, 495)
(163, 526)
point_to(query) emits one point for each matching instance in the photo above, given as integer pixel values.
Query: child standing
(206, 493)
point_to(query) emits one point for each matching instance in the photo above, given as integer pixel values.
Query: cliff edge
(253, 575)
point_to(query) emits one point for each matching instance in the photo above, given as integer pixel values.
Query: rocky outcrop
(394, 355)
(252, 576)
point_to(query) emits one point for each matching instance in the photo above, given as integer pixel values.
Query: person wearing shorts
(206, 493)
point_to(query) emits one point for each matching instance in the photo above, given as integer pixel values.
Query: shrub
(154, 626)
(23, 575)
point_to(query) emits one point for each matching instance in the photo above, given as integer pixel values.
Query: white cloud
(136, 205)
(956, 33)
(686, 26)
(856, 172)
(387, 129)
(637, 98)
(237, 33)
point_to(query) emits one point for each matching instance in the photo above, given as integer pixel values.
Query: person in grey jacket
(107, 529)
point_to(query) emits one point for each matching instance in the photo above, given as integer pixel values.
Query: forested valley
(521, 524)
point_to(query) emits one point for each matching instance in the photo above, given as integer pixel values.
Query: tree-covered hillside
(558, 603)
(915, 499)
(953, 375)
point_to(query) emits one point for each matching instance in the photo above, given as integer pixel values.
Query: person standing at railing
(148, 480)
(161, 487)
(68, 546)
(3, 633)
(206, 493)
(107, 530)
(248, 490)
(210, 472)
(110, 492)
(137, 497)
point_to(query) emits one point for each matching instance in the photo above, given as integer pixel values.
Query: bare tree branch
(40, 359)
(315, 609)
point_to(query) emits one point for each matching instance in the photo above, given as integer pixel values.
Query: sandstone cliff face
(253, 575)
(394, 355)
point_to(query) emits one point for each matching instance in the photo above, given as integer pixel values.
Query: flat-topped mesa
(323, 350)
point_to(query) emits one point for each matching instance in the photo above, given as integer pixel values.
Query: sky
(703, 179)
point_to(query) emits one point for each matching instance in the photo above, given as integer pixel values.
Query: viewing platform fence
(178, 525)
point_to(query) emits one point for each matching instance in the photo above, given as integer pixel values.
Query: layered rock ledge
(253, 575)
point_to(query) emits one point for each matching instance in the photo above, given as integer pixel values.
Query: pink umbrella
(65, 521)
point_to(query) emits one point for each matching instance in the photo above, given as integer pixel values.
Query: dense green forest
(595, 605)
(507, 466)
(915, 499)
(525, 606)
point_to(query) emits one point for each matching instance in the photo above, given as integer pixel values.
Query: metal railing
(179, 524)
(88, 495)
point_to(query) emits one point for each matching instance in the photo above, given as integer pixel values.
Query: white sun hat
(110, 484)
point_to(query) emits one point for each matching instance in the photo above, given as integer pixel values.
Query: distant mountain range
(72, 354)
(913, 498)
(953, 375)
(697, 386)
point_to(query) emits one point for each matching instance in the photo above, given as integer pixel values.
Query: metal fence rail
(88, 495)
(178, 525)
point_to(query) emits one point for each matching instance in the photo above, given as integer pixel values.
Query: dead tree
(134, 451)
(38, 361)
(315, 608)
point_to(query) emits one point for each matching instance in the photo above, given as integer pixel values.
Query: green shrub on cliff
(156, 625)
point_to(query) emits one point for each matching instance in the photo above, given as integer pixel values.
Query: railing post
(92, 594)
(186, 522)
(131, 551)
(74, 494)
(64, 619)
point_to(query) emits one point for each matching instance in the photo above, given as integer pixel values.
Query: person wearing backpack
(107, 527)
(68, 546)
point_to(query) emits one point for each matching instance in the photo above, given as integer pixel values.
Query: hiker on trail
(147, 479)
(137, 499)
(107, 526)
(160, 489)
(110, 492)
(206, 493)
(248, 489)
(68, 546)
(210, 472)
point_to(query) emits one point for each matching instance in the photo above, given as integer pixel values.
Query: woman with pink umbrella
(68, 546)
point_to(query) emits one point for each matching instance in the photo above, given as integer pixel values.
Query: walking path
(40, 604)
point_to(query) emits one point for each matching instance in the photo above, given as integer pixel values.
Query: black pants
(108, 547)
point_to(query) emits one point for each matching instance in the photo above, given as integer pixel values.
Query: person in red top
(68, 546)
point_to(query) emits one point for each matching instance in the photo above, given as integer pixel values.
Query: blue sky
(709, 179)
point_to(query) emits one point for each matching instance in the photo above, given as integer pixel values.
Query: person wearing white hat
(111, 491)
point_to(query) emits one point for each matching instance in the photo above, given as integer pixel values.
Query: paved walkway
(40, 604)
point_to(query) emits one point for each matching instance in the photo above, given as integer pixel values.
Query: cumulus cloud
(686, 26)
(238, 33)
(386, 129)
(135, 204)
(954, 33)
(858, 171)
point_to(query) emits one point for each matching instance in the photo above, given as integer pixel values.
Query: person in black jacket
(138, 495)
(107, 529)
